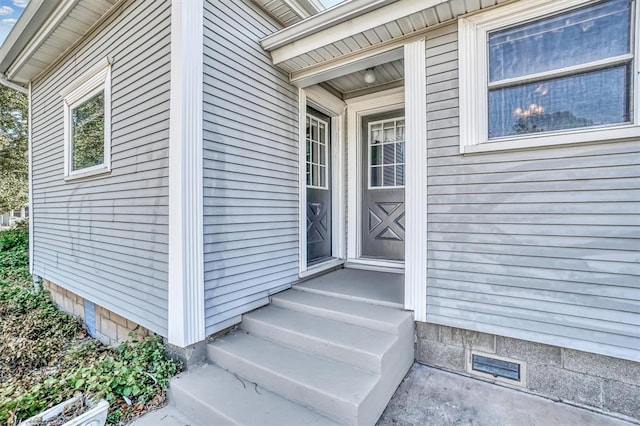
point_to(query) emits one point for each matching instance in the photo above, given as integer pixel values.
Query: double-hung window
(536, 74)
(87, 124)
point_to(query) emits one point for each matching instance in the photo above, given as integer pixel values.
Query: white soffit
(42, 45)
(360, 27)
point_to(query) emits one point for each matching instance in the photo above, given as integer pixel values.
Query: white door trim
(327, 103)
(356, 108)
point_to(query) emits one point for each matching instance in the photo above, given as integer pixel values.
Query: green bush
(46, 356)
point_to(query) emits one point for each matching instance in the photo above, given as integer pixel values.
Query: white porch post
(186, 242)
(415, 86)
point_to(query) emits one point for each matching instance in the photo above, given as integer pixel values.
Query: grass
(46, 356)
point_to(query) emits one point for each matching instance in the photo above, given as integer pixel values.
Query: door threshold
(393, 266)
(316, 268)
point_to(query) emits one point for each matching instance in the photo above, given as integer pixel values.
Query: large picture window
(87, 107)
(568, 76)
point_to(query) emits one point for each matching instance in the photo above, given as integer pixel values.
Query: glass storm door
(318, 187)
(383, 206)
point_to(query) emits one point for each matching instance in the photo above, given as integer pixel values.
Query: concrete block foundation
(110, 328)
(593, 381)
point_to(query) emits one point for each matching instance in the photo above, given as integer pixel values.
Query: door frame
(373, 103)
(330, 105)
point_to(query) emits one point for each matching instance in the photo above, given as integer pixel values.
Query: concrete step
(344, 393)
(210, 395)
(357, 346)
(375, 317)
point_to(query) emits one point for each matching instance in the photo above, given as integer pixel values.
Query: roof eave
(325, 19)
(30, 22)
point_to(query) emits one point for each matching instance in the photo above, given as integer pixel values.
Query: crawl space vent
(496, 367)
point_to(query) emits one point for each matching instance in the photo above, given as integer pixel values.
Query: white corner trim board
(186, 245)
(415, 111)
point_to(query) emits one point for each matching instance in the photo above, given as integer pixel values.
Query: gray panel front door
(383, 220)
(318, 148)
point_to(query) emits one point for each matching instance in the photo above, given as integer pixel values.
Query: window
(317, 153)
(386, 153)
(554, 73)
(87, 128)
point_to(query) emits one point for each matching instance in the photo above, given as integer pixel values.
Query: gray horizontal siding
(106, 238)
(250, 165)
(541, 245)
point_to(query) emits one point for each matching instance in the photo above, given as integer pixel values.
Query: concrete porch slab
(381, 288)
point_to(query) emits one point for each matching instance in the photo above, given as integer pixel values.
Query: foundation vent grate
(496, 367)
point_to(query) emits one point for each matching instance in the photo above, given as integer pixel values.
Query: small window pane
(388, 156)
(389, 134)
(399, 175)
(400, 133)
(308, 174)
(376, 176)
(308, 150)
(314, 130)
(322, 136)
(314, 152)
(376, 155)
(323, 155)
(389, 176)
(400, 152)
(376, 137)
(583, 35)
(314, 175)
(584, 100)
(87, 127)
(323, 176)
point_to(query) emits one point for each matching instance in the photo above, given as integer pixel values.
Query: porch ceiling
(347, 34)
(349, 84)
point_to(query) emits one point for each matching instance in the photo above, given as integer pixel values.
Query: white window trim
(327, 154)
(472, 33)
(95, 80)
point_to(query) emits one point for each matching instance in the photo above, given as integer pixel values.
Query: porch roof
(358, 34)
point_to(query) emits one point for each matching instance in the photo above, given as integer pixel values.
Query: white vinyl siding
(541, 245)
(250, 165)
(106, 239)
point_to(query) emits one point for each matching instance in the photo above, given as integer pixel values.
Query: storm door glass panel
(386, 153)
(87, 133)
(566, 71)
(317, 156)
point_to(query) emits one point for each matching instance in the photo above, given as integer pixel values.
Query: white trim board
(327, 103)
(186, 232)
(30, 154)
(415, 86)
(356, 108)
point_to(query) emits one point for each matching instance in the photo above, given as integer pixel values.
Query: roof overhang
(357, 35)
(44, 31)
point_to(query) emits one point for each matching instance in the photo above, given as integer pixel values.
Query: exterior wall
(540, 245)
(110, 328)
(105, 239)
(596, 381)
(250, 165)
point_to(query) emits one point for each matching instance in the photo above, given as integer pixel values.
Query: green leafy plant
(46, 356)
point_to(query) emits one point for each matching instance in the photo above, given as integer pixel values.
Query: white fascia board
(41, 35)
(322, 35)
(323, 20)
(186, 232)
(21, 32)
